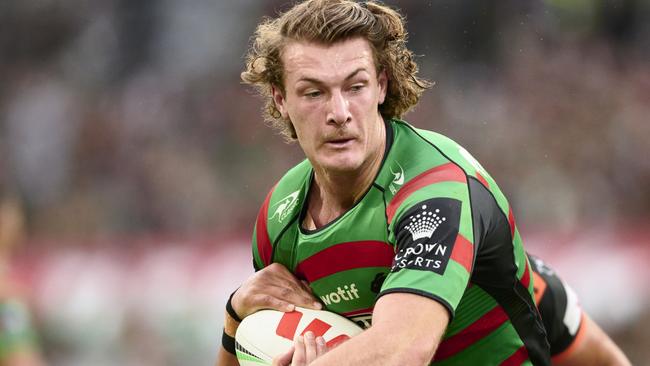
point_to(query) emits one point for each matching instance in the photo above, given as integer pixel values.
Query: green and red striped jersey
(433, 223)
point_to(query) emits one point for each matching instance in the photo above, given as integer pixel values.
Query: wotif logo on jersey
(285, 206)
(347, 293)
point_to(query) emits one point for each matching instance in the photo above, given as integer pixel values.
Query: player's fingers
(321, 346)
(310, 347)
(299, 358)
(266, 301)
(305, 285)
(296, 296)
(292, 289)
(284, 359)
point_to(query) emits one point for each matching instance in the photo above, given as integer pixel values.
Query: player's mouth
(340, 142)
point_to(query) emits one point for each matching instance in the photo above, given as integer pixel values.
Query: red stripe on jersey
(345, 256)
(264, 247)
(473, 333)
(517, 358)
(511, 221)
(463, 252)
(449, 172)
(288, 324)
(366, 311)
(482, 179)
(318, 327)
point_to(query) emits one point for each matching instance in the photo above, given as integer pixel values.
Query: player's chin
(343, 162)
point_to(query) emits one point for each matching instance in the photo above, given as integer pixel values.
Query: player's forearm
(406, 330)
(374, 347)
(225, 358)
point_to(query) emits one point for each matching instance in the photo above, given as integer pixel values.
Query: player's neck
(332, 193)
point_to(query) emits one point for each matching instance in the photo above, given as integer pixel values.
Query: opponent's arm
(272, 287)
(406, 330)
(591, 348)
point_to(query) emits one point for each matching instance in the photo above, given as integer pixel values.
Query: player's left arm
(406, 330)
(591, 347)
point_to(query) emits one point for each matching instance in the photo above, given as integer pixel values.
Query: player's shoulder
(285, 198)
(425, 150)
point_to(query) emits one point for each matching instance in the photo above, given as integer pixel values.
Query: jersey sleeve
(261, 242)
(559, 307)
(432, 234)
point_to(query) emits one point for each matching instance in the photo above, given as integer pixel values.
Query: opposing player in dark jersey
(575, 339)
(387, 224)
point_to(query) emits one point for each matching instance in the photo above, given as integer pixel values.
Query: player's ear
(382, 80)
(278, 99)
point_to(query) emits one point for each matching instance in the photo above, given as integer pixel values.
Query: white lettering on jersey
(347, 293)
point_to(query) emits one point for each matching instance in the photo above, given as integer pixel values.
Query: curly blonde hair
(328, 22)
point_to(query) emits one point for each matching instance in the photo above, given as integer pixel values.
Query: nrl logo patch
(398, 179)
(285, 206)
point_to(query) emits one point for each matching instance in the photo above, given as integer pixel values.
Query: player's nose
(339, 109)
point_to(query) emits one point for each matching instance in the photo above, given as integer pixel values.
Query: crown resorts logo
(285, 206)
(425, 223)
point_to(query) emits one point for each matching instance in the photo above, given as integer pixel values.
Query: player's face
(332, 94)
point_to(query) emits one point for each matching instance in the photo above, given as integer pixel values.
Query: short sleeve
(432, 235)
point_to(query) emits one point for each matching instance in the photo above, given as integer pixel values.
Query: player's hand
(305, 350)
(273, 287)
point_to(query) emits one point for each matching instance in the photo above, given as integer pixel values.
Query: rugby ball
(266, 334)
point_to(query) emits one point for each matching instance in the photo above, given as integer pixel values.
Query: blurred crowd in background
(138, 160)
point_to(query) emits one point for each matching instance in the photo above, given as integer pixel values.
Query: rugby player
(383, 223)
(575, 339)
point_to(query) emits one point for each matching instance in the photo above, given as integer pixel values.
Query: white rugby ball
(266, 334)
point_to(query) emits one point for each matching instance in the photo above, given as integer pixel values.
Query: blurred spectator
(18, 343)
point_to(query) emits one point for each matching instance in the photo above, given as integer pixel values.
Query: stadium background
(140, 160)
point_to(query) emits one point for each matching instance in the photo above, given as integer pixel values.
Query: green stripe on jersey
(474, 304)
(348, 289)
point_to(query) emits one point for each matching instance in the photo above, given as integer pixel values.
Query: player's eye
(313, 94)
(356, 87)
